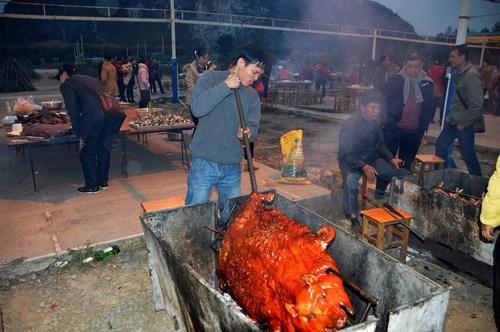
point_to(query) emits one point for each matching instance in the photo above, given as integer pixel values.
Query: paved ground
(57, 218)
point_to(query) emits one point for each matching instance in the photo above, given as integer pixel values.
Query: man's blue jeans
(466, 144)
(204, 175)
(386, 171)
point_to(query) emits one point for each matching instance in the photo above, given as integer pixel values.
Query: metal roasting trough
(184, 267)
(449, 220)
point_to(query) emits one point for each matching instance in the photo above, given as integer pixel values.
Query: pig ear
(326, 234)
(291, 309)
(309, 279)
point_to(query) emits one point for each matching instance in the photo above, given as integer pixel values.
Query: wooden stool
(382, 228)
(426, 163)
(162, 204)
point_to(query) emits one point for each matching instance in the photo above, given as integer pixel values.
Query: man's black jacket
(81, 98)
(394, 102)
(361, 142)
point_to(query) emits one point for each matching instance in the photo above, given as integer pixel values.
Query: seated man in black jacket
(362, 151)
(94, 128)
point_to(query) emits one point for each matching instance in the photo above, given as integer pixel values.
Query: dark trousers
(496, 283)
(130, 91)
(153, 80)
(466, 144)
(386, 171)
(145, 98)
(404, 143)
(121, 89)
(96, 154)
(321, 83)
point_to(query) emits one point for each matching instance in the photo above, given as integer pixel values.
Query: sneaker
(355, 228)
(88, 190)
(378, 195)
(104, 185)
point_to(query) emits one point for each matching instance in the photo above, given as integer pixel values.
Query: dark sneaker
(88, 190)
(355, 227)
(104, 185)
(378, 195)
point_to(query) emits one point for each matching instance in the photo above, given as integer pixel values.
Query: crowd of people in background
(121, 76)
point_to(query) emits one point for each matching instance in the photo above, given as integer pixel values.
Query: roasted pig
(279, 271)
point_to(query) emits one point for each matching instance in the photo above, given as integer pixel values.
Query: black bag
(478, 125)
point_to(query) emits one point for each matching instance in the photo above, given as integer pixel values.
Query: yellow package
(293, 171)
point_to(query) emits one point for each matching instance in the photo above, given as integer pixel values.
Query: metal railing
(27, 10)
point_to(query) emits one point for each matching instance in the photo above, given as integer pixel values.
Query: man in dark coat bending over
(94, 128)
(362, 151)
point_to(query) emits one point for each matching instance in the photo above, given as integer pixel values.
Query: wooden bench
(383, 229)
(162, 204)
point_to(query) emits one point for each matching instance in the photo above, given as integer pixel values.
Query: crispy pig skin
(277, 270)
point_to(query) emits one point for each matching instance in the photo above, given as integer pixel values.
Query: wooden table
(28, 144)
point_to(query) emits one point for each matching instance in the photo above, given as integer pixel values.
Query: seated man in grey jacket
(216, 147)
(362, 151)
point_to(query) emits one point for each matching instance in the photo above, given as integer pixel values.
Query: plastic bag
(293, 171)
(26, 106)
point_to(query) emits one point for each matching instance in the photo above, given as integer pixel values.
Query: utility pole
(162, 45)
(463, 22)
(175, 81)
(81, 40)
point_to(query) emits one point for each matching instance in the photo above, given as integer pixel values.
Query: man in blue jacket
(94, 128)
(216, 147)
(362, 151)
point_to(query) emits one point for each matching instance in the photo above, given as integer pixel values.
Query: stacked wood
(13, 78)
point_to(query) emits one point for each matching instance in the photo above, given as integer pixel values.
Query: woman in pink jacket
(143, 83)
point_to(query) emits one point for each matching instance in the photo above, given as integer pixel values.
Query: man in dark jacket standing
(410, 106)
(362, 151)
(94, 128)
(466, 107)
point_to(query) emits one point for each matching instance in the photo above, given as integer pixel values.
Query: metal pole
(162, 45)
(482, 54)
(243, 125)
(448, 76)
(175, 73)
(374, 45)
(463, 21)
(81, 40)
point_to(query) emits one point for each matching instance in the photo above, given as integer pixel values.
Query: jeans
(321, 83)
(204, 175)
(466, 144)
(130, 91)
(145, 98)
(386, 171)
(153, 81)
(121, 89)
(403, 142)
(96, 154)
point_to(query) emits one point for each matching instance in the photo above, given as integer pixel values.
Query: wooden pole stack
(13, 78)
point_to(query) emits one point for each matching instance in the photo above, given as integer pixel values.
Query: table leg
(32, 166)
(123, 139)
(184, 151)
(404, 242)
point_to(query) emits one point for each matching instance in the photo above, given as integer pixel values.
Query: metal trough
(186, 267)
(443, 219)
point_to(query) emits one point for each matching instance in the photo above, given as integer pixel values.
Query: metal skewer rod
(248, 153)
